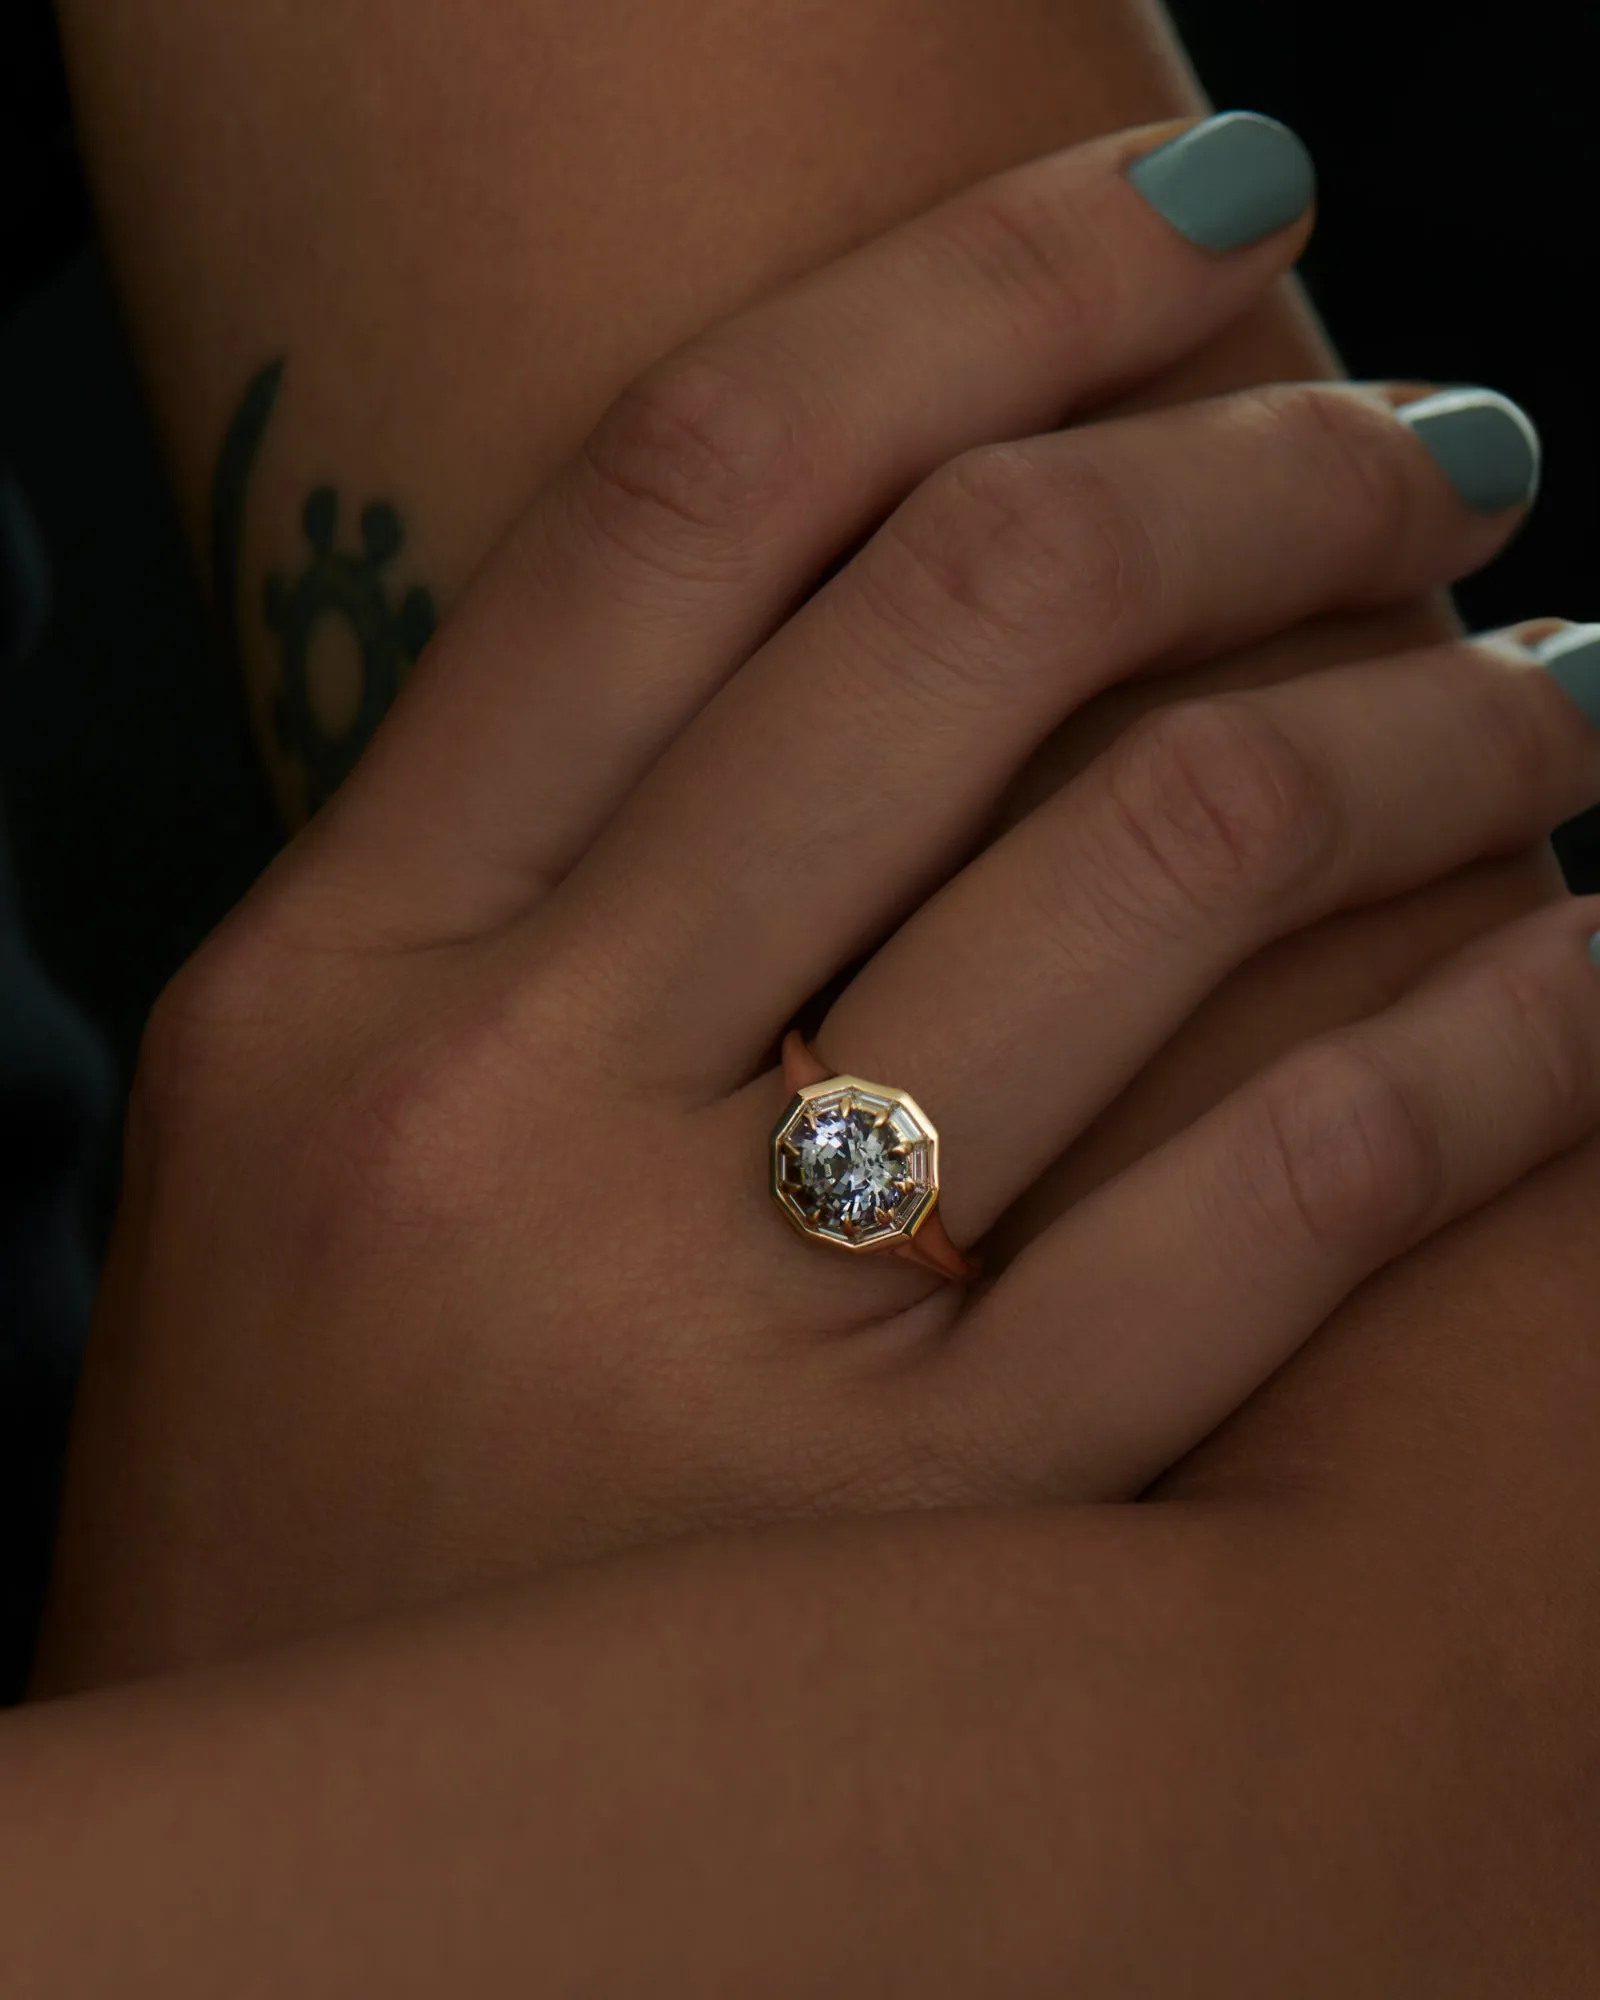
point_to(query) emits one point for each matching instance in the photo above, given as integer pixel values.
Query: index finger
(722, 484)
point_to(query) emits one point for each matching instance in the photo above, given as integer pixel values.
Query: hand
(446, 1248)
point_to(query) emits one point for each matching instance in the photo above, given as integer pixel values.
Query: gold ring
(856, 1165)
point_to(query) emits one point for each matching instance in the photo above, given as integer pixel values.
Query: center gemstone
(855, 1165)
(853, 1171)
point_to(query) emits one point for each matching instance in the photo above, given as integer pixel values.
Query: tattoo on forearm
(347, 584)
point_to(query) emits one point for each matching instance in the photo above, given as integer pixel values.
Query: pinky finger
(1151, 1312)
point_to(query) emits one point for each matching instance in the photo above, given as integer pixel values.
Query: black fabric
(57, 1100)
(44, 214)
(57, 1087)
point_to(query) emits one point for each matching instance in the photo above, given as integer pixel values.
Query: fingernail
(1232, 181)
(1573, 659)
(1594, 947)
(1486, 446)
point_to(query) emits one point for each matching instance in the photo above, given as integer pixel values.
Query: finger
(837, 780)
(1139, 1322)
(729, 477)
(1026, 996)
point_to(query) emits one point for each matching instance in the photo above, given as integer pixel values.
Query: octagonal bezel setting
(892, 1111)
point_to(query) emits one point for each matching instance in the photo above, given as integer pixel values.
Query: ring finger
(1028, 993)
(838, 779)
(1109, 1349)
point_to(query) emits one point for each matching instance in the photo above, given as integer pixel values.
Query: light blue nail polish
(1573, 658)
(1486, 446)
(1594, 948)
(1232, 181)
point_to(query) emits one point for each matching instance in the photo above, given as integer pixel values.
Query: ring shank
(931, 1246)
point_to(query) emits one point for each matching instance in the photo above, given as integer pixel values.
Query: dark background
(1460, 169)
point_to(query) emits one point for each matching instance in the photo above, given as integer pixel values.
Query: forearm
(944, 1757)
(463, 230)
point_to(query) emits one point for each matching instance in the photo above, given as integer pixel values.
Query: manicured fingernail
(1573, 659)
(1232, 181)
(1486, 446)
(1594, 947)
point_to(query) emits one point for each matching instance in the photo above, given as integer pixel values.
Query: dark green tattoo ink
(335, 583)
(348, 584)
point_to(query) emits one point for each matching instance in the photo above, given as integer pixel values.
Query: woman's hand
(446, 1248)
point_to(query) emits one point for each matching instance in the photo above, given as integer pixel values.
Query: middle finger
(838, 779)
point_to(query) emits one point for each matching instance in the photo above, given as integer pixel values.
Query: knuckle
(999, 547)
(420, 1143)
(164, 1077)
(976, 538)
(1356, 450)
(1222, 805)
(1347, 1153)
(203, 1039)
(1523, 1005)
(694, 461)
(1516, 733)
(1033, 255)
(263, 1069)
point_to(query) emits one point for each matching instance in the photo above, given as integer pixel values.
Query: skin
(510, 970)
(1462, 1455)
(503, 326)
(945, 1758)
